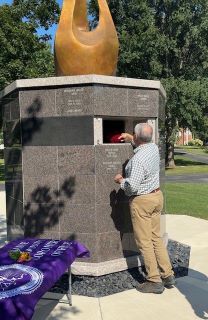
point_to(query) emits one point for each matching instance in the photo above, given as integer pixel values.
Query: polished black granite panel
(75, 100)
(13, 172)
(18, 219)
(161, 138)
(14, 212)
(12, 133)
(14, 189)
(5, 111)
(10, 107)
(13, 164)
(10, 209)
(57, 131)
(162, 102)
(13, 156)
(9, 188)
(38, 103)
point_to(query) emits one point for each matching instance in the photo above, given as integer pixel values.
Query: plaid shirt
(142, 171)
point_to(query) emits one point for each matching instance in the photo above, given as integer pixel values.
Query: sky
(40, 31)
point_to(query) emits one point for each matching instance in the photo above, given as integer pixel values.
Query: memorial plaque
(74, 101)
(112, 158)
(73, 159)
(142, 103)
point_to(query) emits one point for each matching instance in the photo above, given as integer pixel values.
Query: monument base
(61, 160)
(111, 266)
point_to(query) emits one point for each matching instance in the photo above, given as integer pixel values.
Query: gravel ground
(125, 280)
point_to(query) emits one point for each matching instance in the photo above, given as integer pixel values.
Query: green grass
(187, 166)
(188, 199)
(1, 170)
(194, 150)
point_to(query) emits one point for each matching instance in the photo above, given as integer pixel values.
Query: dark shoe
(150, 287)
(169, 282)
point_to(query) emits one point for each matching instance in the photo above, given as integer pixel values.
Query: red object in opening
(114, 138)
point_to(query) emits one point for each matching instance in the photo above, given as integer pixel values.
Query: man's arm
(131, 184)
(127, 137)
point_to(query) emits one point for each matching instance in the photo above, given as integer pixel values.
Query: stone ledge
(103, 268)
(84, 79)
(104, 285)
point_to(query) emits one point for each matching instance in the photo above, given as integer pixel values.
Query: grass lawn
(187, 166)
(1, 170)
(188, 199)
(194, 150)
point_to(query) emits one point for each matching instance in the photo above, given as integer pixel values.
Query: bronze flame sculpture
(79, 51)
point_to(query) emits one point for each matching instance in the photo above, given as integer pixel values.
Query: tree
(166, 40)
(39, 13)
(23, 54)
(186, 107)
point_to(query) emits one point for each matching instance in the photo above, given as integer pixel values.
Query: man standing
(141, 184)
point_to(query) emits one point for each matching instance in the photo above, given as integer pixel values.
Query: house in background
(184, 136)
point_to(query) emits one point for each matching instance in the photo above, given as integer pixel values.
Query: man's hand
(118, 178)
(127, 137)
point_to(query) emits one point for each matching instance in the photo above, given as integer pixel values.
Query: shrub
(196, 142)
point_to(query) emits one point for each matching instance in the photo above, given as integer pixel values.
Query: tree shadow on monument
(43, 211)
(45, 205)
(16, 139)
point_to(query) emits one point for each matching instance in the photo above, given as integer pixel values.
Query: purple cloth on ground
(23, 284)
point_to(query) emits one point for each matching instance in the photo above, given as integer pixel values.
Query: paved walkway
(188, 178)
(194, 157)
(188, 301)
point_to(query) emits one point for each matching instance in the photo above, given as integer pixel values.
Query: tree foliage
(166, 40)
(23, 54)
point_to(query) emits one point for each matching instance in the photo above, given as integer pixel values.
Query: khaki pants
(145, 215)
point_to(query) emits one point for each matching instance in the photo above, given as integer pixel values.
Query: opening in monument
(112, 130)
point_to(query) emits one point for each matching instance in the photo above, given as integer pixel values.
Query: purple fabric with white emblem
(23, 284)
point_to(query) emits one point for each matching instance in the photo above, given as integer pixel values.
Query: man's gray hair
(143, 132)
